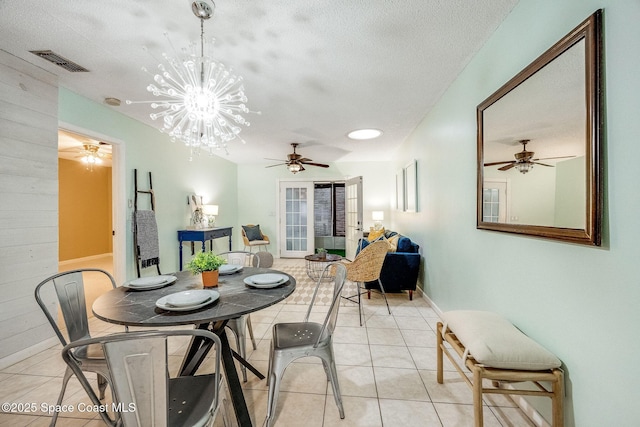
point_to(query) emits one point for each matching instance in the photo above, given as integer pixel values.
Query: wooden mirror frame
(589, 31)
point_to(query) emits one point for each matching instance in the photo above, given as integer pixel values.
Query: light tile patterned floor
(387, 374)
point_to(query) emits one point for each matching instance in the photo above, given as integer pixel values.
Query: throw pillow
(375, 234)
(404, 244)
(393, 242)
(252, 232)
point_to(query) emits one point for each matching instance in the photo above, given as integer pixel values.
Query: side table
(202, 235)
(316, 264)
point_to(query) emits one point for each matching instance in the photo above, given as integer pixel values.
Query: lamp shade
(377, 215)
(210, 209)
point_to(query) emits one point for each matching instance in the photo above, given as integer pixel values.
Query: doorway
(91, 196)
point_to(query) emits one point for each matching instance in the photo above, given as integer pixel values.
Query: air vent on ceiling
(59, 60)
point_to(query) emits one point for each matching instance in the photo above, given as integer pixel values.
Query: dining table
(127, 306)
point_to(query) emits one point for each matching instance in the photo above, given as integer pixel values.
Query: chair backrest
(329, 325)
(138, 365)
(243, 258)
(367, 266)
(69, 290)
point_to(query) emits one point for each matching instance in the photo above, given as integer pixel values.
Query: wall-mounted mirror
(539, 144)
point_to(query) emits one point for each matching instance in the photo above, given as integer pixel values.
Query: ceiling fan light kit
(201, 102)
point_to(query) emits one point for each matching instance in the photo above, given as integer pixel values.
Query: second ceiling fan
(295, 162)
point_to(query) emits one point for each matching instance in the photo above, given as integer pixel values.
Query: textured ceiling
(314, 69)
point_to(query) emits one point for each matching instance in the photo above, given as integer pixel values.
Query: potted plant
(322, 253)
(207, 264)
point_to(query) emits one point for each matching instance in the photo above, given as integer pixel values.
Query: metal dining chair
(68, 288)
(240, 324)
(366, 267)
(144, 393)
(292, 341)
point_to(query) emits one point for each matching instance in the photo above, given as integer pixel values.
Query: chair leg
(360, 311)
(238, 327)
(102, 386)
(410, 295)
(275, 375)
(250, 328)
(67, 375)
(384, 295)
(330, 366)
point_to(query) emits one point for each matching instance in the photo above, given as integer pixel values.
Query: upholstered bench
(492, 348)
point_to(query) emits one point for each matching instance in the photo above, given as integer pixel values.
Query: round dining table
(126, 306)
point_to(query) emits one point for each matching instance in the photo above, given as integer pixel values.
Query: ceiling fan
(524, 160)
(91, 153)
(295, 161)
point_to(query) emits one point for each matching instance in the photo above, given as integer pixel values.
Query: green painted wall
(174, 177)
(580, 302)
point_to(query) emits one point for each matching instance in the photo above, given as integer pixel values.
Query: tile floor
(387, 374)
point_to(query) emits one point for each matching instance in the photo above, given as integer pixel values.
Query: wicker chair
(366, 268)
(264, 241)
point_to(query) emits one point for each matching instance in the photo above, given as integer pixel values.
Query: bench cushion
(494, 342)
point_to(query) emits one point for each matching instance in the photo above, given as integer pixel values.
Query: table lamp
(378, 217)
(210, 211)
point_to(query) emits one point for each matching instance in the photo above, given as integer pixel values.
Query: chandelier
(200, 102)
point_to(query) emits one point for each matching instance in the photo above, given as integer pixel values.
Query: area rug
(305, 287)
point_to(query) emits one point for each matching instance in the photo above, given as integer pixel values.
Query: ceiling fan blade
(279, 164)
(304, 160)
(315, 164)
(549, 158)
(499, 163)
(542, 164)
(507, 167)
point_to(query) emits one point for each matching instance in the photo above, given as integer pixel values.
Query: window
(329, 209)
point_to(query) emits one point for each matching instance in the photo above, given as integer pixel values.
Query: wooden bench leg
(477, 396)
(557, 399)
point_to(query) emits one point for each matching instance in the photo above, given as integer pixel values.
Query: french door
(296, 219)
(353, 213)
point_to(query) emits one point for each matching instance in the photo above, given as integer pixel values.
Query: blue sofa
(400, 269)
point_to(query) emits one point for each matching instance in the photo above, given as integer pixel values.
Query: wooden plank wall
(28, 199)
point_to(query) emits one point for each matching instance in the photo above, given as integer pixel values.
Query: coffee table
(316, 264)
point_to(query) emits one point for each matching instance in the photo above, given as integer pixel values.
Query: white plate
(150, 283)
(209, 295)
(250, 282)
(229, 269)
(267, 279)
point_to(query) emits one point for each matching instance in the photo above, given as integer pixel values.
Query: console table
(202, 235)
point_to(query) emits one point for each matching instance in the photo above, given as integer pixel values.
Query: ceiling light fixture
(90, 156)
(114, 102)
(202, 100)
(294, 168)
(364, 134)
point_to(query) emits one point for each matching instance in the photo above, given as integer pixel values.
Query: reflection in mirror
(538, 145)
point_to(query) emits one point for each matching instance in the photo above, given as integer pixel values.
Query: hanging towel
(147, 238)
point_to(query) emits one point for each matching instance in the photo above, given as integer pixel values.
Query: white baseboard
(27, 352)
(87, 258)
(520, 401)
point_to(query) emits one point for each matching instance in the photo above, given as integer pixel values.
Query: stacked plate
(188, 300)
(148, 283)
(229, 269)
(266, 281)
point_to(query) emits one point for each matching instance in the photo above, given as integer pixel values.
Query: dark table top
(326, 258)
(138, 308)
